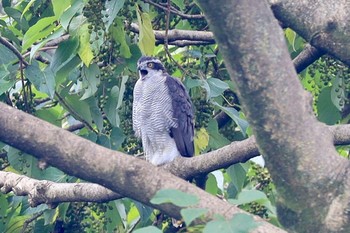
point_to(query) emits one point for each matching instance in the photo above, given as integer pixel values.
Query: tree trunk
(310, 177)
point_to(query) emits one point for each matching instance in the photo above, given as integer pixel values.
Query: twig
(177, 34)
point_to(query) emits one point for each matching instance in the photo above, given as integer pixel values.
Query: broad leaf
(146, 36)
(59, 6)
(38, 31)
(85, 51)
(190, 214)
(234, 225)
(201, 140)
(112, 9)
(217, 87)
(174, 196)
(327, 112)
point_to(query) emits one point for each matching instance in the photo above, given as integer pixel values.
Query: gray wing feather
(183, 132)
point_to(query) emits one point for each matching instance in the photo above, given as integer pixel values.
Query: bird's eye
(150, 65)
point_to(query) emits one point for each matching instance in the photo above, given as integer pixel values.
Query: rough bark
(51, 193)
(325, 24)
(310, 177)
(118, 172)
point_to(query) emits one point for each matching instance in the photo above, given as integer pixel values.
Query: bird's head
(149, 66)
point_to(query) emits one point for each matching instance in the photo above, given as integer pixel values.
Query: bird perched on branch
(162, 113)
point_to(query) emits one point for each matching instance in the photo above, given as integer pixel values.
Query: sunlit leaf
(201, 140)
(38, 31)
(146, 36)
(59, 6)
(85, 51)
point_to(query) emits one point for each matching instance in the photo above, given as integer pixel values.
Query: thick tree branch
(48, 192)
(119, 172)
(323, 23)
(280, 114)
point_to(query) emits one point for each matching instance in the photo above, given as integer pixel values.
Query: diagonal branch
(48, 192)
(116, 171)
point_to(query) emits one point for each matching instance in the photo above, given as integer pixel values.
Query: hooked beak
(143, 73)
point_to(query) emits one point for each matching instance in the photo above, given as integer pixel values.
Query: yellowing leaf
(201, 140)
(146, 37)
(59, 6)
(85, 51)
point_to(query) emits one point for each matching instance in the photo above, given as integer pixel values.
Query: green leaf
(65, 52)
(291, 35)
(59, 32)
(247, 196)
(191, 83)
(146, 36)
(17, 16)
(112, 9)
(67, 16)
(211, 185)
(5, 84)
(16, 224)
(217, 87)
(237, 173)
(234, 114)
(327, 112)
(149, 229)
(233, 225)
(44, 81)
(113, 215)
(80, 107)
(121, 91)
(216, 140)
(117, 138)
(38, 31)
(27, 7)
(110, 108)
(85, 51)
(338, 93)
(190, 214)
(90, 80)
(118, 34)
(59, 6)
(95, 112)
(174, 196)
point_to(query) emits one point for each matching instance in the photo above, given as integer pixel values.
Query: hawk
(162, 113)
